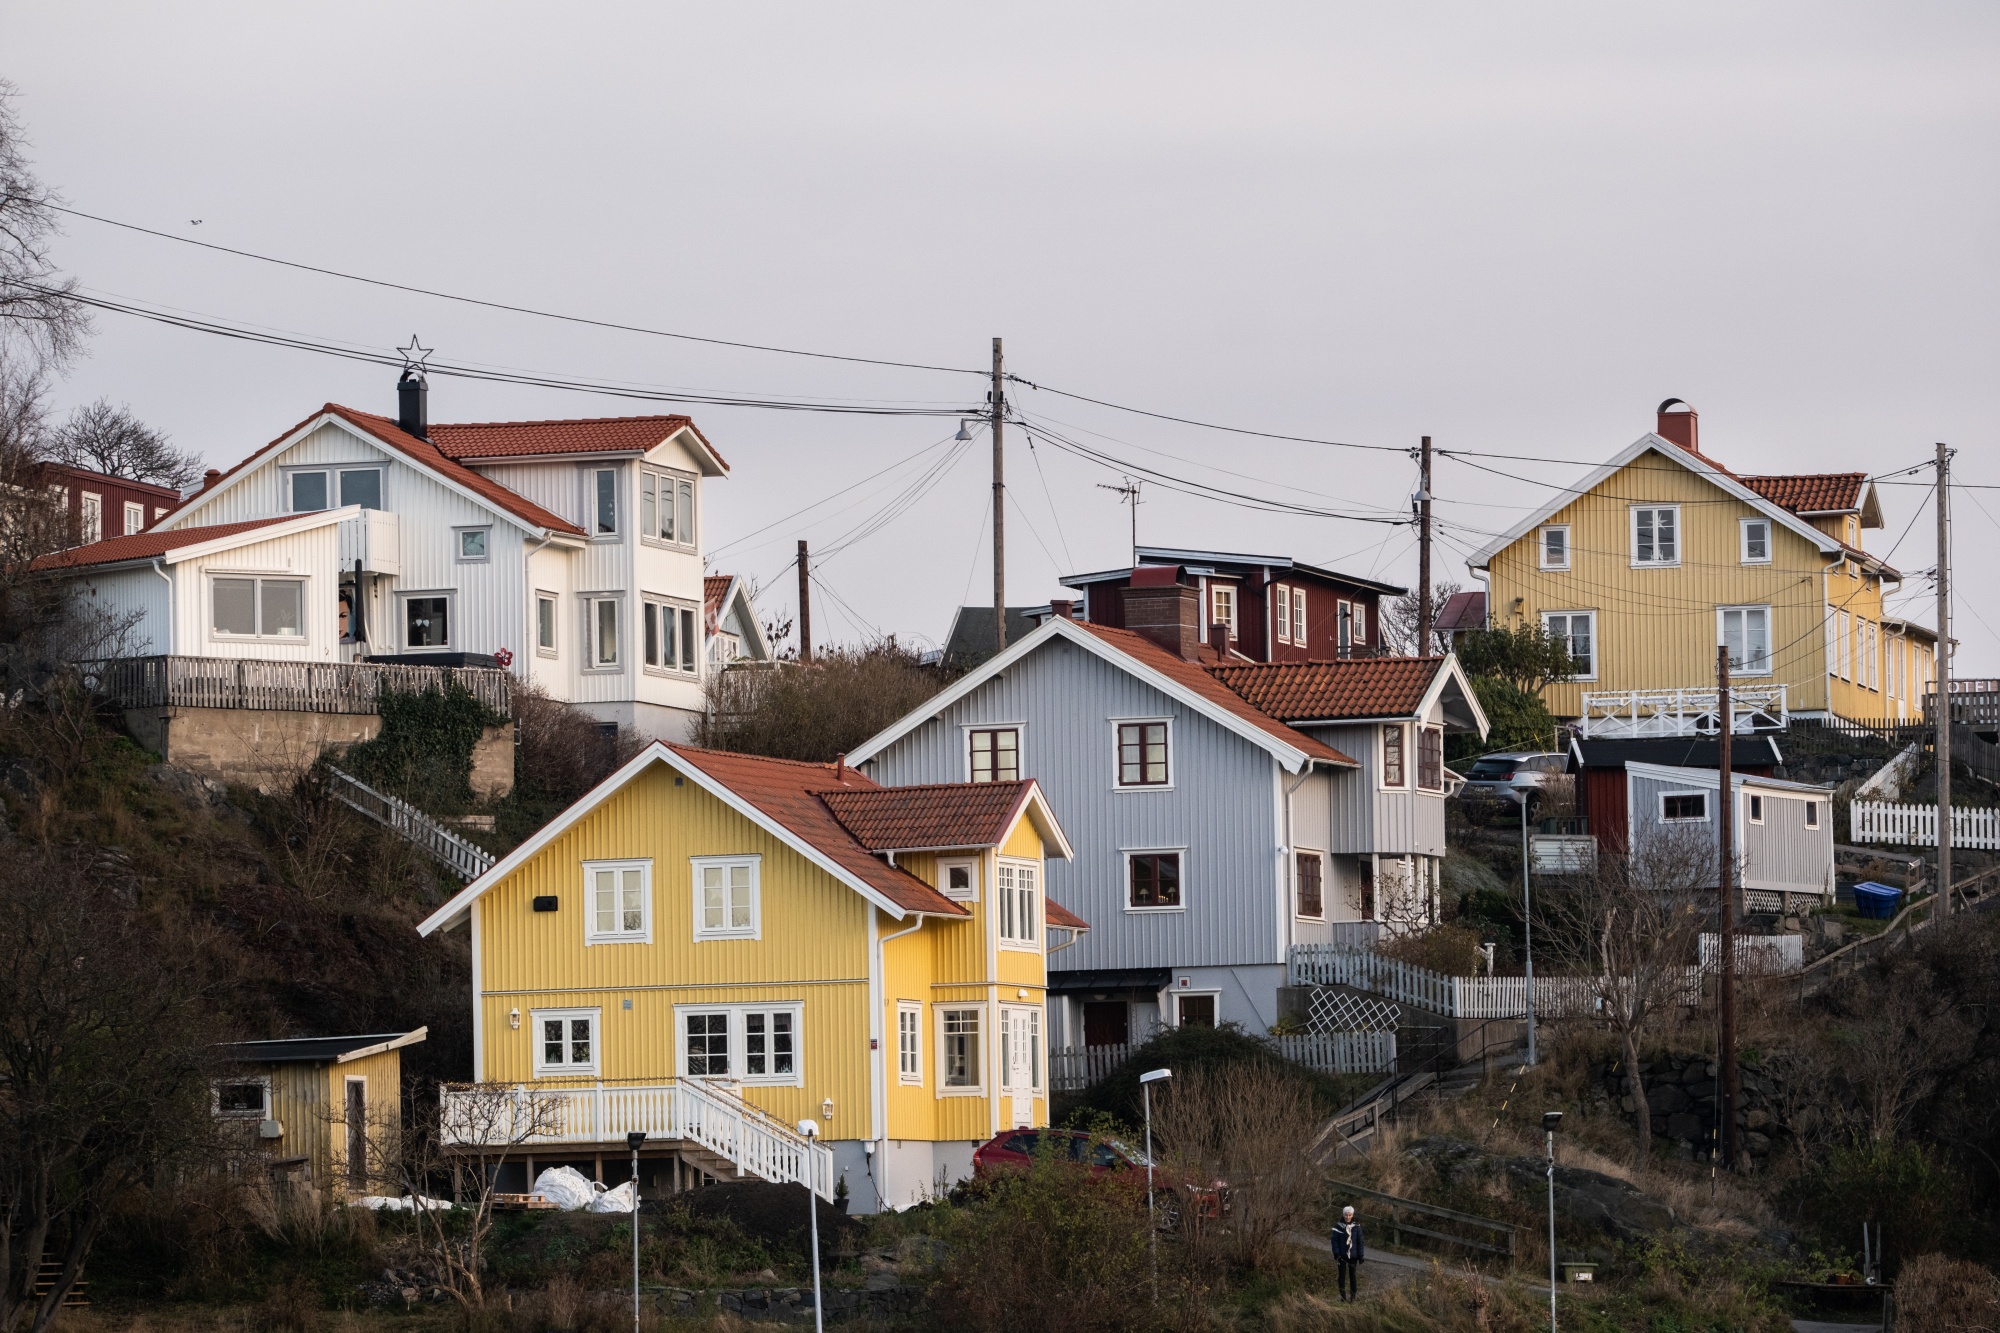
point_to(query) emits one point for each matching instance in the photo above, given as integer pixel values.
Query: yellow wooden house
(711, 948)
(325, 1110)
(1655, 559)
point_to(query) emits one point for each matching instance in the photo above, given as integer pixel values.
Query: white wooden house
(569, 551)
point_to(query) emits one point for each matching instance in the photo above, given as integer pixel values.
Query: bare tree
(1248, 1126)
(1634, 924)
(1900, 1036)
(109, 439)
(479, 1127)
(1399, 622)
(815, 711)
(106, 1052)
(42, 324)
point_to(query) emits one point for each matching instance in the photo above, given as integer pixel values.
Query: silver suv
(1493, 780)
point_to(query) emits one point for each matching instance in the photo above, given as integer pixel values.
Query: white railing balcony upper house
(1633, 714)
(685, 1111)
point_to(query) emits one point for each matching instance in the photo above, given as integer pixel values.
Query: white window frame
(458, 536)
(1743, 526)
(257, 606)
(738, 1037)
(1126, 854)
(1706, 808)
(1569, 634)
(451, 637)
(1281, 613)
(1843, 645)
(943, 1010)
(1753, 807)
(1633, 527)
(1409, 777)
(653, 474)
(591, 601)
(292, 476)
(643, 935)
(591, 473)
(248, 1080)
(755, 930)
(543, 1069)
(336, 487)
(910, 1043)
(1192, 992)
(1812, 814)
(134, 518)
(946, 865)
(1020, 730)
(687, 625)
(1343, 624)
(1299, 637)
(553, 648)
(1220, 595)
(1037, 1054)
(1117, 768)
(1542, 546)
(1722, 614)
(1007, 903)
(1871, 650)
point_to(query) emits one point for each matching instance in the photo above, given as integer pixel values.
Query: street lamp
(632, 1141)
(1525, 795)
(1550, 1121)
(810, 1129)
(1146, 1082)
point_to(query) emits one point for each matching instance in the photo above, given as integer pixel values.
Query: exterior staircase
(709, 1126)
(464, 859)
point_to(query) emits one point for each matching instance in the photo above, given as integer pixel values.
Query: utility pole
(999, 401)
(805, 608)
(1726, 885)
(1943, 716)
(1424, 554)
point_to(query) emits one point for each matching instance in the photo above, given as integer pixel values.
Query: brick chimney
(1682, 427)
(210, 477)
(1218, 639)
(1162, 608)
(1061, 609)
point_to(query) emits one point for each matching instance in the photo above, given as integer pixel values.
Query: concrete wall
(268, 749)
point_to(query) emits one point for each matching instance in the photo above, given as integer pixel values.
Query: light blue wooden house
(1222, 811)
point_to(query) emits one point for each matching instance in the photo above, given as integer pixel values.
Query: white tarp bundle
(569, 1190)
(382, 1203)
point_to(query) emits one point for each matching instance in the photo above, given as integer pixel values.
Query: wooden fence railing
(293, 687)
(1490, 1237)
(1453, 997)
(1921, 914)
(1074, 1068)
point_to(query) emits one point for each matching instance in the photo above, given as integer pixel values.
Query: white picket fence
(1453, 997)
(1916, 825)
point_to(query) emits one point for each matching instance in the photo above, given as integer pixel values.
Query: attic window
(1756, 541)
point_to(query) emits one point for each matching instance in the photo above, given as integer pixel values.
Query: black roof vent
(412, 411)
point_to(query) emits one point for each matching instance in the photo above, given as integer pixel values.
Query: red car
(1015, 1150)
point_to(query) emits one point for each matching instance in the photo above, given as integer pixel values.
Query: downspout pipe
(160, 568)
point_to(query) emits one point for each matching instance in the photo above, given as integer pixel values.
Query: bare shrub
(315, 843)
(1940, 1295)
(817, 710)
(1452, 950)
(560, 752)
(1246, 1126)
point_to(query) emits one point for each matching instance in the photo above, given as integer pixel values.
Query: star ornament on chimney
(415, 355)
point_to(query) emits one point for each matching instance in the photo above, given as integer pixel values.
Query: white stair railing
(685, 1110)
(411, 824)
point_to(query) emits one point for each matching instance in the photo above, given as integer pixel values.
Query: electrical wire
(506, 306)
(1051, 496)
(911, 458)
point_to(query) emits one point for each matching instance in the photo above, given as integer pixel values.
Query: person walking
(1348, 1252)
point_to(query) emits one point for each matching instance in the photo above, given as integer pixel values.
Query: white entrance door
(1021, 1059)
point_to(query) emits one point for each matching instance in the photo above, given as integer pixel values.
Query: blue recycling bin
(1878, 902)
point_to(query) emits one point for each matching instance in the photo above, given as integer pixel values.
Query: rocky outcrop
(1605, 1203)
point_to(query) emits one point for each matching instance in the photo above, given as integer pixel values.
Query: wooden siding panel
(1221, 809)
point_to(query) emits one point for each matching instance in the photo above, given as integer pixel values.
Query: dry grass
(1940, 1295)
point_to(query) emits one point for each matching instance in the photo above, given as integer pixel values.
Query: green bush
(424, 751)
(1906, 1187)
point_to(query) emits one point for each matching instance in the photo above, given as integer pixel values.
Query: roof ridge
(563, 421)
(743, 754)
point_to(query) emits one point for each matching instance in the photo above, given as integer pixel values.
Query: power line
(506, 306)
(756, 532)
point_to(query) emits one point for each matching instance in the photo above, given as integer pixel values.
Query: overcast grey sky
(1513, 227)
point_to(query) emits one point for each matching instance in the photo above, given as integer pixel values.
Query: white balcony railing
(687, 1111)
(1631, 714)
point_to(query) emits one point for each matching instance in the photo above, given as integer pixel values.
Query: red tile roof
(148, 545)
(715, 587)
(1193, 676)
(1323, 691)
(1811, 492)
(790, 793)
(1057, 915)
(428, 454)
(933, 815)
(590, 435)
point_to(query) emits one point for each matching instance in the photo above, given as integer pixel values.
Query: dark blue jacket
(1346, 1241)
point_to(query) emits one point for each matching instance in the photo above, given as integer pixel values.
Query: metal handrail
(1397, 1226)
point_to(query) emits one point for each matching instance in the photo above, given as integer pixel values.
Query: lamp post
(1550, 1120)
(810, 1129)
(1525, 795)
(1146, 1082)
(632, 1141)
